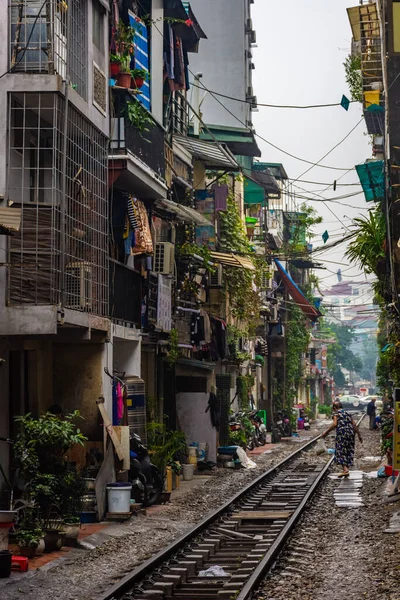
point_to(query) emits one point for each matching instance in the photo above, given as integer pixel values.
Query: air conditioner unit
(274, 315)
(216, 277)
(78, 285)
(164, 257)
(266, 282)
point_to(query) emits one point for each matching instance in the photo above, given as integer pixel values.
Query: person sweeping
(346, 430)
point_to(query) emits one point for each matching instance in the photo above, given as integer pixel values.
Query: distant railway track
(244, 537)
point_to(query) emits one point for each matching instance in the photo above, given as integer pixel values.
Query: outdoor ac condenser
(216, 277)
(164, 257)
(78, 285)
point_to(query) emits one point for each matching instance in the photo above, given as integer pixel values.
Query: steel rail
(265, 564)
(147, 567)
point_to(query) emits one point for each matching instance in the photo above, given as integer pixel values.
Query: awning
(254, 193)
(233, 260)
(10, 220)
(372, 179)
(297, 295)
(183, 212)
(211, 154)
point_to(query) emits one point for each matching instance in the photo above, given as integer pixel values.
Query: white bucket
(188, 472)
(119, 498)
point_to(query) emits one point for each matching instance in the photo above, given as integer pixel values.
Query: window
(98, 26)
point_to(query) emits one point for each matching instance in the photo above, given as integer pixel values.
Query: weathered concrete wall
(78, 382)
(195, 422)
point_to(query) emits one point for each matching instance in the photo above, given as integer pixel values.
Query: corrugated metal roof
(211, 154)
(233, 260)
(10, 220)
(185, 213)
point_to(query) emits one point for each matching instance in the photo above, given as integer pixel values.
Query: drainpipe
(196, 102)
(64, 164)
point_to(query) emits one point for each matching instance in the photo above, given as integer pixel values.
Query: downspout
(64, 167)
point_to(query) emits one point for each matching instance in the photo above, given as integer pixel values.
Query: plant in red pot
(124, 45)
(115, 64)
(138, 78)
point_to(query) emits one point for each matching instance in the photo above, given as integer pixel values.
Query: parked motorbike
(260, 432)
(283, 423)
(146, 479)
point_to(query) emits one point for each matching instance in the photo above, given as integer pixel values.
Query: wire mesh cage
(60, 254)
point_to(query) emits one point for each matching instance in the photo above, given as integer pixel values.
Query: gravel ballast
(341, 553)
(83, 575)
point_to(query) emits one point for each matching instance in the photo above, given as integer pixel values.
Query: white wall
(223, 22)
(195, 422)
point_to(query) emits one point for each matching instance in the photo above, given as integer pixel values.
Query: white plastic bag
(215, 571)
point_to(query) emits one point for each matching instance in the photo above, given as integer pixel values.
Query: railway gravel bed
(337, 553)
(83, 575)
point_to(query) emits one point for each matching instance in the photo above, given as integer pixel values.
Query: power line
(322, 182)
(267, 141)
(271, 105)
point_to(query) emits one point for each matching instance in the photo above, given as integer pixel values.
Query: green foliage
(173, 353)
(123, 37)
(352, 67)
(139, 117)
(40, 450)
(300, 228)
(366, 249)
(164, 444)
(139, 73)
(238, 438)
(340, 353)
(242, 390)
(325, 409)
(29, 538)
(297, 340)
(244, 299)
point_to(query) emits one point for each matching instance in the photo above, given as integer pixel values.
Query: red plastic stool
(19, 563)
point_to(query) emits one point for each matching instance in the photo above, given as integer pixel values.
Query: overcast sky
(299, 61)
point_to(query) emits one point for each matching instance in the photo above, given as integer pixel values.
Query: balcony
(136, 157)
(125, 294)
(38, 33)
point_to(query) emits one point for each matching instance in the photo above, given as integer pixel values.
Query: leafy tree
(352, 67)
(367, 249)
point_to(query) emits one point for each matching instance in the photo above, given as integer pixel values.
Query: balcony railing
(147, 145)
(125, 294)
(38, 34)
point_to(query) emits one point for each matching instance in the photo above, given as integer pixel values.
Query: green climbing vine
(297, 340)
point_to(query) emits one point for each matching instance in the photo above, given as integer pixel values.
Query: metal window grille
(35, 182)
(38, 39)
(77, 47)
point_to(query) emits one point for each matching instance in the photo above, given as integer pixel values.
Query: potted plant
(115, 64)
(124, 44)
(138, 78)
(40, 450)
(30, 542)
(165, 446)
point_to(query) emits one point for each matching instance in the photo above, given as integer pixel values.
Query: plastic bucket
(188, 472)
(5, 563)
(192, 455)
(119, 497)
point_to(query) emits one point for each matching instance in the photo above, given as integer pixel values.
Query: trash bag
(321, 447)
(214, 571)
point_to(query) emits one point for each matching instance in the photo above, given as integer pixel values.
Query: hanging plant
(139, 117)
(352, 67)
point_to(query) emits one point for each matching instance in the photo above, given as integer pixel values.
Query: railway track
(243, 537)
